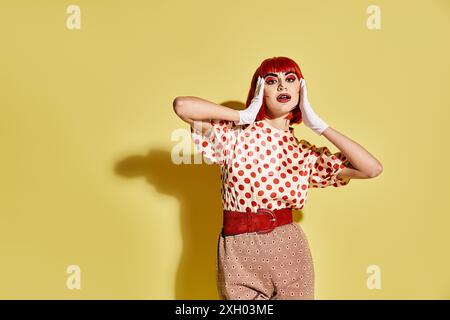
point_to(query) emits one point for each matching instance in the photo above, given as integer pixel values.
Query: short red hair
(275, 64)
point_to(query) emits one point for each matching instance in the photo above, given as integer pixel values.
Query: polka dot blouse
(266, 167)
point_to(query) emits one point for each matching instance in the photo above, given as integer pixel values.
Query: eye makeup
(276, 76)
(291, 79)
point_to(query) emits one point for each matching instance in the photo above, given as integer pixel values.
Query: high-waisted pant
(272, 266)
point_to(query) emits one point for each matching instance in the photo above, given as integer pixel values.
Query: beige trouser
(272, 266)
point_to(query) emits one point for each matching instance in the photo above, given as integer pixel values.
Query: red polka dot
(276, 168)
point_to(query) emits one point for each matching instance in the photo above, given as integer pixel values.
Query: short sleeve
(325, 166)
(216, 143)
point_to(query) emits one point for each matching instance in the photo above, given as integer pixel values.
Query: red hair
(275, 64)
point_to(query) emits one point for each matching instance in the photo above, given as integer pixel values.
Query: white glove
(309, 117)
(249, 114)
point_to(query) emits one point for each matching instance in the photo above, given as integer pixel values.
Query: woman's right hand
(249, 114)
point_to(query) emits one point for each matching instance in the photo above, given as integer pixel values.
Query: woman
(266, 172)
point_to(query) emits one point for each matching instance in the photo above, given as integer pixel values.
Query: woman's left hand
(309, 117)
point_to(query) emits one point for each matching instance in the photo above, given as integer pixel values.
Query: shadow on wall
(197, 188)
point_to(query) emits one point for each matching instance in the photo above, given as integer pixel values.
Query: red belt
(261, 221)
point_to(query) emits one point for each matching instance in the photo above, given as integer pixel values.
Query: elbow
(179, 106)
(376, 172)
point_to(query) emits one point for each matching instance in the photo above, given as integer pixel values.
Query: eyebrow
(273, 74)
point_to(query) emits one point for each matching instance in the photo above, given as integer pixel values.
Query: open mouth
(284, 97)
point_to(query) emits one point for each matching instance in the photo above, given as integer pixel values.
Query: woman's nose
(281, 86)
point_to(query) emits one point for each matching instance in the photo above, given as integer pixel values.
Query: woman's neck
(279, 123)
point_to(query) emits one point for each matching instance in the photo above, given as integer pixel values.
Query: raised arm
(191, 109)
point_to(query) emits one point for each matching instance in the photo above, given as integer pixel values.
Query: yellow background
(86, 139)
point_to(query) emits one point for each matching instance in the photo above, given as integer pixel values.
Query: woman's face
(276, 85)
